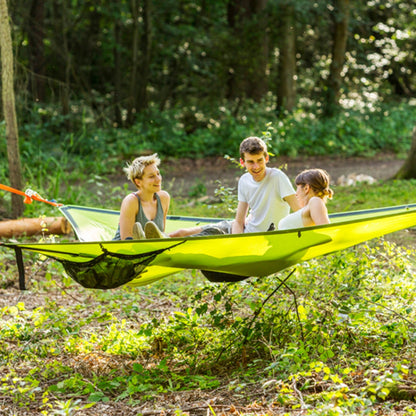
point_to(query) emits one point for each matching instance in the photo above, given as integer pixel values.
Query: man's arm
(293, 202)
(240, 218)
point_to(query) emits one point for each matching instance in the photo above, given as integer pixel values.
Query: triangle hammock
(97, 262)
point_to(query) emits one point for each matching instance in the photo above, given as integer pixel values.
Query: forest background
(106, 81)
(98, 83)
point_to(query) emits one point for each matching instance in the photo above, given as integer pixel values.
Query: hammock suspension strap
(29, 195)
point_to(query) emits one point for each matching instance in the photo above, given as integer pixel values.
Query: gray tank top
(142, 219)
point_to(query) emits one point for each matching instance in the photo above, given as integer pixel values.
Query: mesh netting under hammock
(109, 270)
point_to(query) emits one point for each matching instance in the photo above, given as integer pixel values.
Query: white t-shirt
(293, 220)
(265, 199)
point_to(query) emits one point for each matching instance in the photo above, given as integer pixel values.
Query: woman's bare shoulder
(315, 201)
(163, 195)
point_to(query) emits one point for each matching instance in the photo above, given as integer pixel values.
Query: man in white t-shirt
(265, 196)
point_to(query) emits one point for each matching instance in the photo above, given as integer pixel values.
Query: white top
(293, 220)
(265, 199)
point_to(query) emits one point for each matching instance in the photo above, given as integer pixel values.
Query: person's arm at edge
(184, 232)
(165, 201)
(318, 211)
(240, 218)
(293, 202)
(128, 212)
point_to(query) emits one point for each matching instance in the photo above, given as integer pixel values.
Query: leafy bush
(328, 334)
(364, 131)
(48, 155)
(385, 128)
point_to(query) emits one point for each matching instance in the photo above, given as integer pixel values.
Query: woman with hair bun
(312, 193)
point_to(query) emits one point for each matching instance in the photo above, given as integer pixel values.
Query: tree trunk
(142, 99)
(132, 96)
(247, 67)
(65, 87)
(36, 37)
(35, 226)
(408, 170)
(258, 47)
(117, 75)
(9, 109)
(286, 84)
(339, 45)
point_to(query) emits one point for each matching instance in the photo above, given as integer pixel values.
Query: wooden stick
(34, 226)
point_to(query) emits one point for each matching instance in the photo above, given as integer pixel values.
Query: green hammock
(97, 262)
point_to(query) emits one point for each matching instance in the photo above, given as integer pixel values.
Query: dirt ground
(182, 176)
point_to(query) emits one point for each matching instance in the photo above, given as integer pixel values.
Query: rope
(29, 195)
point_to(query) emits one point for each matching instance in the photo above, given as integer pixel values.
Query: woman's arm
(184, 232)
(165, 201)
(128, 212)
(318, 211)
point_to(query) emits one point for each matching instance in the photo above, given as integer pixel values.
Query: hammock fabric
(97, 262)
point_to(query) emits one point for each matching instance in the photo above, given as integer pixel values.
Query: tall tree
(132, 95)
(36, 37)
(9, 109)
(339, 44)
(117, 73)
(141, 41)
(249, 49)
(286, 84)
(65, 87)
(408, 169)
(145, 48)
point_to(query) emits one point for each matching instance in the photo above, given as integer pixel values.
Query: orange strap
(29, 195)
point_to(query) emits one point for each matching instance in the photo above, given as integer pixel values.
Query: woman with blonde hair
(312, 193)
(149, 204)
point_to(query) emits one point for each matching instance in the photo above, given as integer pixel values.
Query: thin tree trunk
(339, 46)
(286, 84)
(132, 101)
(117, 75)
(232, 83)
(65, 89)
(258, 84)
(142, 99)
(408, 170)
(36, 37)
(247, 74)
(9, 109)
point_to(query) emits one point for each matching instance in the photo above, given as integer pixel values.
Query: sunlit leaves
(346, 344)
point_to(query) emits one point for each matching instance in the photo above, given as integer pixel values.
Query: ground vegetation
(97, 85)
(332, 336)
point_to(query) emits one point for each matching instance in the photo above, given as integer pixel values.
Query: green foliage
(364, 196)
(199, 189)
(359, 131)
(62, 166)
(228, 197)
(335, 337)
(355, 132)
(324, 338)
(197, 52)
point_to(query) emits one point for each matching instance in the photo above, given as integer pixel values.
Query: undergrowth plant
(333, 333)
(61, 166)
